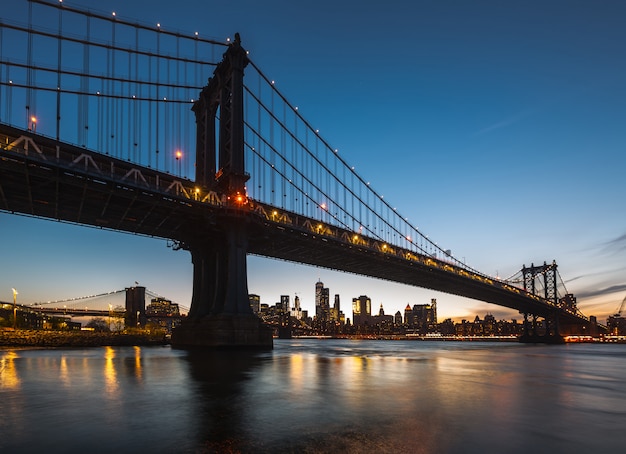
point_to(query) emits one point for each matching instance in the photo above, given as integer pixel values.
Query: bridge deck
(44, 178)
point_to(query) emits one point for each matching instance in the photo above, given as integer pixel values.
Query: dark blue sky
(497, 127)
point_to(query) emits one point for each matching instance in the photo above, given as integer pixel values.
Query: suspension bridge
(107, 303)
(106, 122)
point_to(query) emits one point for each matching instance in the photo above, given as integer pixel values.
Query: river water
(317, 396)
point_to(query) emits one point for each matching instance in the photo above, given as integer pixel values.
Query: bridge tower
(135, 307)
(547, 275)
(220, 315)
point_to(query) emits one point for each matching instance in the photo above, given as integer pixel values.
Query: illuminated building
(284, 303)
(361, 311)
(255, 303)
(164, 313)
(322, 303)
(422, 317)
(296, 310)
(382, 321)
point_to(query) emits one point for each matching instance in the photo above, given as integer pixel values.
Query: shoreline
(81, 339)
(41, 338)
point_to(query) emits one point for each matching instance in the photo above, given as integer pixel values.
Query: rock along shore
(36, 338)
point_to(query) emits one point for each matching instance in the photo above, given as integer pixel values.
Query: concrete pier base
(223, 331)
(542, 339)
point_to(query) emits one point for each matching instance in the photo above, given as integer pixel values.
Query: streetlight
(14, 308)
(34, 123)
(179, 155)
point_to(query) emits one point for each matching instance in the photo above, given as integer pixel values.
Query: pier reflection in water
(315, 396)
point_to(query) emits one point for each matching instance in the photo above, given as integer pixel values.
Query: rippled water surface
(314, 396)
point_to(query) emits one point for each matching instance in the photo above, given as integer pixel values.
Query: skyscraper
(284, 303)
(296, 310)
(422, 317)
(322, 302)
(335, 312)
(319, 288)
(255, 303)
(361, 310)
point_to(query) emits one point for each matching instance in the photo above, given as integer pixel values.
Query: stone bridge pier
(220, 315)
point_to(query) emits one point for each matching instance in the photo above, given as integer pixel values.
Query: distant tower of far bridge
(135, 307)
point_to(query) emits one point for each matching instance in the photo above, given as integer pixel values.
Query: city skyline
(496, 129)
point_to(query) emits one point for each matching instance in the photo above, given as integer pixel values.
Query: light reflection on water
(316, 396)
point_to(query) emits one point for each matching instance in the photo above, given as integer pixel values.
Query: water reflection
(110, 374)
(221, 418)
(133, 364)
(64, 374)
(9, 378)
(317, 397)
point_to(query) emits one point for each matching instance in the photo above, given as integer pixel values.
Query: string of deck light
(79, 298)
(344, 163)
(120, 117)
(333, 152)
(38, 32)
(386, 223)
(114, 17)
(68, 72)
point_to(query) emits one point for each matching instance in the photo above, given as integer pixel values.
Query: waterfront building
(617, 325)
(446, 328)
(255, 303)
(397, 320)
(335, 310)
(284, 303)
(162, 312)
(322, 304)
(361, 311)
(384, 323)
(408, 315)
(296, 310)
(421, 318)
(487, 327)
(162, 306)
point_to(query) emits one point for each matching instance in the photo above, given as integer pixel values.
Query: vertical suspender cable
(167, 118)
(107, 109)
(112, 93)
(29, 64)
(9, 98)
(150, 103)
(59, 60)
(158, 100)
(273, 145)
(6, 119)
(177, 117)
(136, 107)
(84, 89)
(283, 164)
(261, 181)
(80, 118)
(130, 154)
